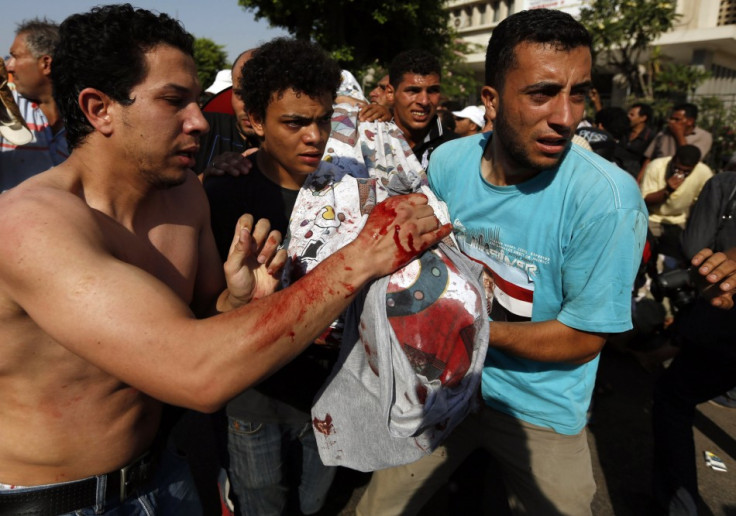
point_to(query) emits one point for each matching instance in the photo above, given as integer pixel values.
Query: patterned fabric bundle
(414, 342)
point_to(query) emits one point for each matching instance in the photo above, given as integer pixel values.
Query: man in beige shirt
(670, 186)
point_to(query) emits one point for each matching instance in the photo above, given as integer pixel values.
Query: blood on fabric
(323, 426)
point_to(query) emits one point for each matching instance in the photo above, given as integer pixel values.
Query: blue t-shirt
(563, 245)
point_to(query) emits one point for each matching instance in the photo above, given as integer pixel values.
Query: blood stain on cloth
(323, 426)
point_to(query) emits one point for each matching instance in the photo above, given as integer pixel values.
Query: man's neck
(637, 130)
(277, 174)
(499, 170)
(414, 137)
(107, 183)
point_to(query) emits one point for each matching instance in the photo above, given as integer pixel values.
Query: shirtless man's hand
(397, 230)
(253, 264)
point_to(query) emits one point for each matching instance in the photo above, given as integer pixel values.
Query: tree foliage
(459, 81)
(210, 59)
(623, 31)
(359, 32)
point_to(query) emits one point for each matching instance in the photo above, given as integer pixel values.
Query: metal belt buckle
(135, 473)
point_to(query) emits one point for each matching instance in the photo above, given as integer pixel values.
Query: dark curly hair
(416, 61)
(534, 26)
(105, 49)
(286, 63)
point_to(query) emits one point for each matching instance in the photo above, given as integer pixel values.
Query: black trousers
(697, 374)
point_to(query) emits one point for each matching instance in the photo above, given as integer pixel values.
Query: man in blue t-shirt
(560, 233)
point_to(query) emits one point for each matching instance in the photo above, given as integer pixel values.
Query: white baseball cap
(223, 80)
(474, 114)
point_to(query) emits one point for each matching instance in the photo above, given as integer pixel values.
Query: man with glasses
(670, 186)
(29, 63)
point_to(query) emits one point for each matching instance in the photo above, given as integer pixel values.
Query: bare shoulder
(41, 214)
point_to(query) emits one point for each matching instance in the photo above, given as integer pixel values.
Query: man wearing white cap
(223, 80)
(469, 120)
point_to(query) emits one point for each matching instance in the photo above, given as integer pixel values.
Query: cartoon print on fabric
(416, 302)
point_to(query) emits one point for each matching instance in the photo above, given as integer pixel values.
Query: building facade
(704, 35)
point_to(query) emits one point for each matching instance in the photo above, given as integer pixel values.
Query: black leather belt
(71, 496)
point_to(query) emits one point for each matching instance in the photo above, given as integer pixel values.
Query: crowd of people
(175, 276)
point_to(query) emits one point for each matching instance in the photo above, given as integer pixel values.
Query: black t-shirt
(230, 197)
(286, 396)
(437, 136)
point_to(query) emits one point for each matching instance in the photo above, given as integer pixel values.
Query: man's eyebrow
(179, 88)
(586, 85)
(548, 85)
(298, 117)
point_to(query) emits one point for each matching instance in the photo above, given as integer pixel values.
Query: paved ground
(621, 443)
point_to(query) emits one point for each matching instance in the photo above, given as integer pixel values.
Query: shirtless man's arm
(101, 305)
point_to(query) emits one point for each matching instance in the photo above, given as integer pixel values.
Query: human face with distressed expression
(415, 102)
(293, 136)
(538, 107)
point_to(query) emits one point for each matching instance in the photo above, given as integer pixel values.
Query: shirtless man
(107, 260)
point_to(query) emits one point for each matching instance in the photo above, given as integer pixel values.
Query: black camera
(677, 285)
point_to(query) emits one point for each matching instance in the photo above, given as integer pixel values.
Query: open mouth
(552, 145)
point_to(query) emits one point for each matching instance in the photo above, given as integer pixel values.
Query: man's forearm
(547, 341)
(657, 198)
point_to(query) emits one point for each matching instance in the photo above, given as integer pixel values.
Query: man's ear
(44, 64)
(491, 101)
(97, 108)
(390, 93)
(257, 124)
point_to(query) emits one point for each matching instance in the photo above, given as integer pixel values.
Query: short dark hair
(687, 155)
(105, 49)
(644, 110)
(286, 63)
(691, 110)
(42, 36)
(416, 60)
(547, 26)
(614, 120)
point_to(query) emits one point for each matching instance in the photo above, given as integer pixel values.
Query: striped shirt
(46, 150)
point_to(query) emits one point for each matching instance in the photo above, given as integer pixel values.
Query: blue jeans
(171, 491)
(267, 459)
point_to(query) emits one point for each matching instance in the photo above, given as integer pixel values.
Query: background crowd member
(559, 284)
(681, 130)
(30, 60)
(639, 137)
(414, 90)
(378, 94)
(272, 462)
(706, 364)
(98, 339)
(221, 149)
(469, 120)
(609, 128)
(670, 186)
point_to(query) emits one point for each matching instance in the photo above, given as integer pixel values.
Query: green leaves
(623, 30)
(210, 59)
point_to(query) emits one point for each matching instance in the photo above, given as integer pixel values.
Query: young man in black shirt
(288, 87)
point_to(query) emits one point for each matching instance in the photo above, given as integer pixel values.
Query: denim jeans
(268, 460)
